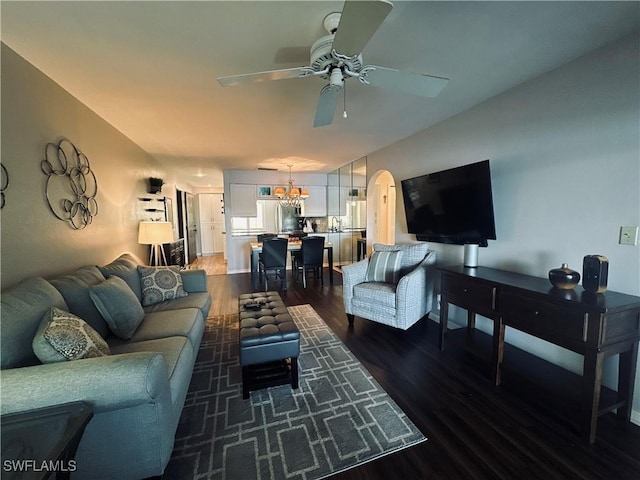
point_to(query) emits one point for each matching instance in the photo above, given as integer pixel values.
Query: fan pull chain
(344, 101)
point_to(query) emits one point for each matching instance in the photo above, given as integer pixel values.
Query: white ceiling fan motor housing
(321, 50)
(322, 57)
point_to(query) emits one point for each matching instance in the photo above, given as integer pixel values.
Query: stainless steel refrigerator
(287, 218)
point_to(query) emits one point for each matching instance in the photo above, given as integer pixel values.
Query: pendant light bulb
(344, 114)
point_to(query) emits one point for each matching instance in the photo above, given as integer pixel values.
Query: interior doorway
(381, 209)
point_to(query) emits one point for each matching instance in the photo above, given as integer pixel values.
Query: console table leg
(626, 381)
(591, 385)
(471, 320)
(444, 317)
(498, 351)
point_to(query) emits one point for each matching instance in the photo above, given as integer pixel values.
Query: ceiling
(150, 69)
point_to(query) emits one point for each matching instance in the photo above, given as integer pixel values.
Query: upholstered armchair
(394, 286)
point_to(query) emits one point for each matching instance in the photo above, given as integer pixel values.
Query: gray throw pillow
(63, 336)
(125, 267)
(160, 284)
(118, 305)
(384, 267)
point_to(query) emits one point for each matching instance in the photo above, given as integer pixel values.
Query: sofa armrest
(352, 275)
(106, 383)
(414, 290)
(194, 280)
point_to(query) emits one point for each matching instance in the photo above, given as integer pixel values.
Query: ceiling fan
(338, 56)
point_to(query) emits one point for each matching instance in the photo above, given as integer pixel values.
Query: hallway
(212, 264)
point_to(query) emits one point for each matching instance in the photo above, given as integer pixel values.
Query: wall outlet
(628, 236)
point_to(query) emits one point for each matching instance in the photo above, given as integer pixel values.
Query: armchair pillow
(412, 254)
(118, 305)
(160, 284)
(384, 267)
(62, 336)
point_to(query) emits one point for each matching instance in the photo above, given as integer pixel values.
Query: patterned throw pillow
(160, 284)
(384, 267)
(63, 336)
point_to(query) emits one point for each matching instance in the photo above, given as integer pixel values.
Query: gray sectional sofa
(137, 392)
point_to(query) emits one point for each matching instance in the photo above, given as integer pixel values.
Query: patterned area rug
(339, 417)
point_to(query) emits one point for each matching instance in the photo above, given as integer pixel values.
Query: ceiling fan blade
(233, 80)
(326, 105)
(358, 22)
(405, 82)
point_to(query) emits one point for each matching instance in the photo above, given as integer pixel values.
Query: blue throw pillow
(118, 305)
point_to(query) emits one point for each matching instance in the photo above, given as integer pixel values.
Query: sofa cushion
(160, 283)
(375, 294)
(125, 267)
(63, 336)
(412, 254)
(199, 300)
(384, 267)
(22, 309)
(187, 322)
(179, 357)
(118, 305)
(75, 290)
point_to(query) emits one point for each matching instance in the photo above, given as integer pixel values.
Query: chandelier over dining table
(290, 196)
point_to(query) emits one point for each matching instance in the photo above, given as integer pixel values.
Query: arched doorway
(381, 209)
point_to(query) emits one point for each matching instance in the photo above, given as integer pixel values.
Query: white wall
(36, 111)
(565, 160)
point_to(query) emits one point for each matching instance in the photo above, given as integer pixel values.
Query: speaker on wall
(595, 270)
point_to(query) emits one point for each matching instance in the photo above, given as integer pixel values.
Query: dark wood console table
(592, 325)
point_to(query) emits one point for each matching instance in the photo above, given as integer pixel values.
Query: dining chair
(311, 258)
(274, 259)
(260, 238)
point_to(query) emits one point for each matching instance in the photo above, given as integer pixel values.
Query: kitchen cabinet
(316, 204)
(243, 200)
(346, 248)
(210, 208)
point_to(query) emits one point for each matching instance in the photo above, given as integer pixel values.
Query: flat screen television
(452, 206)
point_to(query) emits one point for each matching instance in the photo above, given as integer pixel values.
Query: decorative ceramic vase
(564, 278)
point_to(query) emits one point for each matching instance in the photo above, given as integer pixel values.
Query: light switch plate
(628, 235)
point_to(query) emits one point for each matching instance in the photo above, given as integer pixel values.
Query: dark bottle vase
(564, 278)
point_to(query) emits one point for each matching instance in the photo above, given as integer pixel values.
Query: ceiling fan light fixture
(337, 78)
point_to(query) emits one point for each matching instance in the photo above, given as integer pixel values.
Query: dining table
(294, 245)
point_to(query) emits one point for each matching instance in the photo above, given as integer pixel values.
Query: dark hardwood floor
(475, 430)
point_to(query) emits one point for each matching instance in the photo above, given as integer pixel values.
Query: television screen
(451, 206)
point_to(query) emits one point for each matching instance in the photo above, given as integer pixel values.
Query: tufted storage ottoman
(269, 342)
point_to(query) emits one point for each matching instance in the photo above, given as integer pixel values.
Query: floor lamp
(155, 234)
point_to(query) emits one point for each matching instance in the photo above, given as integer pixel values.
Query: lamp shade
(155, 233)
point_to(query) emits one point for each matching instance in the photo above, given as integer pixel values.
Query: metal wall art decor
(71, 186)
(4, 183)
